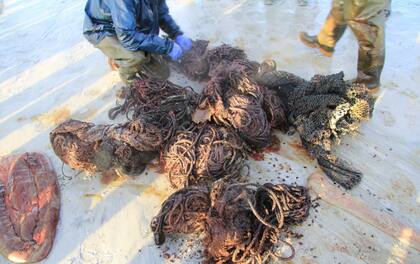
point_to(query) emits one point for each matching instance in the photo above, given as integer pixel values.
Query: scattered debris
(204, 139)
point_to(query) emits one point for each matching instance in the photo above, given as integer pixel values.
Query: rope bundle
(99, 148)
(236, 100)
(161, 101)
(202, 155)
(242, 223)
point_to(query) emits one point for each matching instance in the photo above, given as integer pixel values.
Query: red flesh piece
(29, 207)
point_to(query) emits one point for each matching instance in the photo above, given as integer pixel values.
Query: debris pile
(100, 148)
(203, 141)
(202, 155)
(159, 100)
(184, 212)
(193, 63)
(234, 100)
(241, 222)
(322, 110)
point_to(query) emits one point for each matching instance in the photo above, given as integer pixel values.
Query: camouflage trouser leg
(334, 25)
(132, 62)
(367, 21)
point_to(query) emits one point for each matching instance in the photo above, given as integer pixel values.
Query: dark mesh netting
(322, 110)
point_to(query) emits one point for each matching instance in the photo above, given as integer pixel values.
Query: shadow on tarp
(60, 85)
(49, 27)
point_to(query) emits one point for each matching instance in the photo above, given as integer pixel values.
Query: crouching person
(127, 32)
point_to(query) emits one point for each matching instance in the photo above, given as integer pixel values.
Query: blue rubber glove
(176, 52)
(184, 42)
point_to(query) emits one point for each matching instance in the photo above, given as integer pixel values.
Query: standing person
(127, 32)
(366, 18)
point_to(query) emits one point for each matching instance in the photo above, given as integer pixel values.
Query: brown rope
(193, 63)
(242, 223)
(157, 99)
(183, 212)
(236, 101)
(252, 218)
(89, 147)
(203, 154)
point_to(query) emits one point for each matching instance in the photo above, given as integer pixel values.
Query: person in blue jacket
(127, 32)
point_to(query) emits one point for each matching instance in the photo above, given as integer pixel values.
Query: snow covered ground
(49, 73)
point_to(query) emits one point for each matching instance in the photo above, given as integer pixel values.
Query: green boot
(156, 67)
(371, 81)
(312, 42)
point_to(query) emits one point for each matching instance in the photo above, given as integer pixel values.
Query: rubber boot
(112, 64)
(371, 78)
(156, 68)
(312, 42)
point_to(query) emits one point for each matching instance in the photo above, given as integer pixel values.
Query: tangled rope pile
(226, 54)
(242, 223)
(160, 101)
(322, 111)
(183, 212)
(204, 139)
(202, 155)
(233, 99)
(99, 148)
(193, 63)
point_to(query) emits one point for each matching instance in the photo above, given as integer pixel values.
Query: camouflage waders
(366, 18)
(129, 63)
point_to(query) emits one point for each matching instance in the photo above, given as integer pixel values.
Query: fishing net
(202, 155)
(322, 110)
(242, 223)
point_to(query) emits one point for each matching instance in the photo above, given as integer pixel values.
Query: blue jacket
(136, 23)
